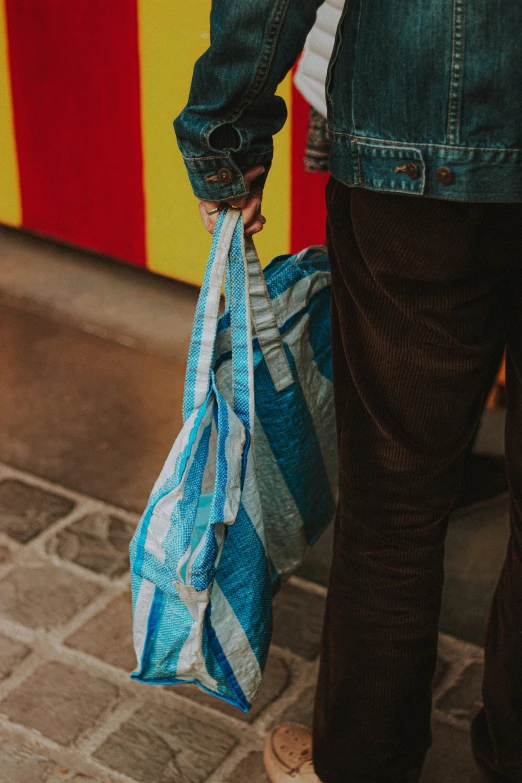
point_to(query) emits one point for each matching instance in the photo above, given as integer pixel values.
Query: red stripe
(76, 97)
(308, 206)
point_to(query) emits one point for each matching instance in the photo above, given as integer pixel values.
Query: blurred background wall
(88, 156)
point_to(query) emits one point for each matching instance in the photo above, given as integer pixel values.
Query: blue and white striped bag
(251, 480)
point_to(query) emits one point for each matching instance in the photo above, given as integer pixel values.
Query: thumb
(252, 174)
(249, 176)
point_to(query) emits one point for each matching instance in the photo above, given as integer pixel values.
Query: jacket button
(225, 176)
(444, 175)
(412, 170)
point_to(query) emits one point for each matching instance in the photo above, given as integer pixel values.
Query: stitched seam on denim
(355, 60)
(335, 54)
(408, 149)
(261, 73)
(461, 80)
(211, 157)
(400, 191)
(230, 162)
(359, 165)
(424, 145)
(459, 10)
(227, 158)
(268, 53)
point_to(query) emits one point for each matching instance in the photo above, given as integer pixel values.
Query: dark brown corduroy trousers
(422, 290)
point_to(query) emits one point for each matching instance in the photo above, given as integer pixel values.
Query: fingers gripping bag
(251, 481)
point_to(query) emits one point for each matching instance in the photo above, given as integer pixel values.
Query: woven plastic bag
(251, 480)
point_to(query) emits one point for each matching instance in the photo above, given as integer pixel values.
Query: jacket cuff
(220, 177)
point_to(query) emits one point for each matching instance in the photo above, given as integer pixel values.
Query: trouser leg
(497, 730)
(415, 329)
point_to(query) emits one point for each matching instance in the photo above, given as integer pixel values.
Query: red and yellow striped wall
(88, 92)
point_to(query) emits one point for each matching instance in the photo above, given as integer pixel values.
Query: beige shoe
(288, 755)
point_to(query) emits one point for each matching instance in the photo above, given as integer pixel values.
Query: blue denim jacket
(424, 96)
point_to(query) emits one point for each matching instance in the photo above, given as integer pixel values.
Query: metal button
(444, 175)
(225, 176)
(412, 170)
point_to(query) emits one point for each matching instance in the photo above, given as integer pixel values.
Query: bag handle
(227, 259)
(234, 257)
(267, 330)
(237, 283)
(203, 339)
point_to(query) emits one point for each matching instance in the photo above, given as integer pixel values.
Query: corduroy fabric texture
(422, 290)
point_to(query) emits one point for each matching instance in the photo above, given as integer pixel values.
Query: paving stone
(475, 552)
(159, 744)
(11, 654)
(298, 621)
(450, 759)
(440, 672)
(26, 510)
(275, 679)
(317, 560)
(60, 702)
(108, 635)
(251, 769)
(20, 764)
(302, 710)
(99, 542)
(44, 596)
(463, 700)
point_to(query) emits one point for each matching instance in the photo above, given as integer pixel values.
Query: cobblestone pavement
(68, 710)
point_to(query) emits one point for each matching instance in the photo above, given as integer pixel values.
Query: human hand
(250, 205)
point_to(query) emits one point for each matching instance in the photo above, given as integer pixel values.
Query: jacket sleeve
(233, 112)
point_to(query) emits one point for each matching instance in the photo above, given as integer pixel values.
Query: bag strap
(241, 330)
(234, 257)
(267, 330)
(203, 339)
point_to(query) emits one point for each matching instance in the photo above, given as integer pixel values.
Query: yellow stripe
(171, 38)
(275, 237)
(10, 202)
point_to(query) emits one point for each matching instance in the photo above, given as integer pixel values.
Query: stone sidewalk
(68, 710)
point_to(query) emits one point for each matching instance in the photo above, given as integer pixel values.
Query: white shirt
(310, 77)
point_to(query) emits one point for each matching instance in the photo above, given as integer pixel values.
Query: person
(484, 475)
(424, 236)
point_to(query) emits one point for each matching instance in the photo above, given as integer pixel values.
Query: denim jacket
(424, 96)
